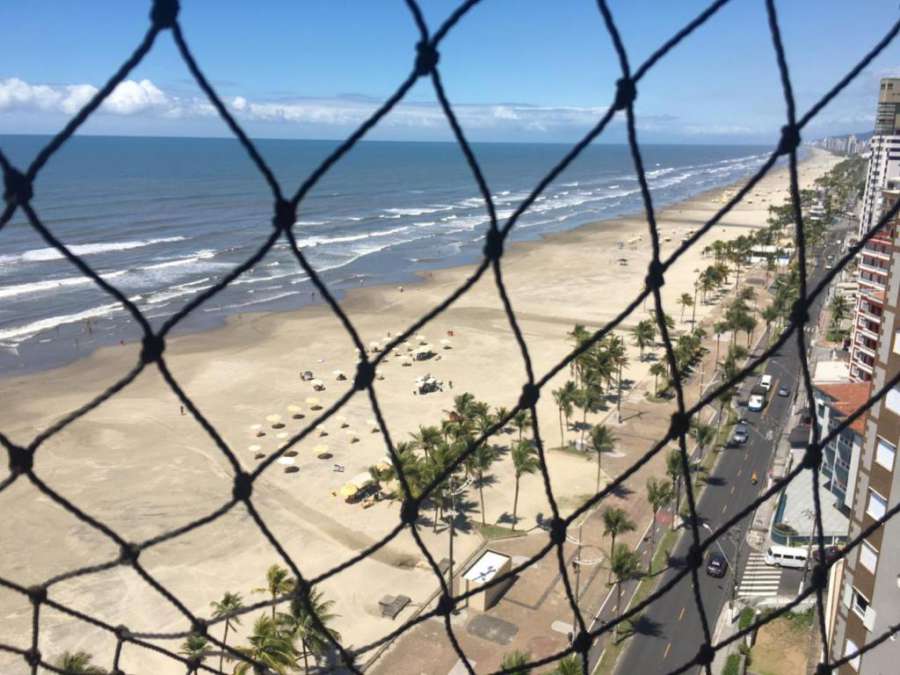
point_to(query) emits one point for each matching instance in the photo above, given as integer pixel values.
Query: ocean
(163, 218)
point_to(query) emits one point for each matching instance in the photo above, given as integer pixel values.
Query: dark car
(784, 391)
(831, 552)
(716, 565)
(740, 435)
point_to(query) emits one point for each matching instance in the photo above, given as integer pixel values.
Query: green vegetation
(515, 661)
(78, 663)
(732, 665)
(746, 618)
(491, 532)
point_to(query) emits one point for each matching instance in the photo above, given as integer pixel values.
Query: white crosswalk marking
(759, 580)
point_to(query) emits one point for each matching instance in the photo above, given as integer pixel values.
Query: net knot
(790, 139)
(243, 487)
(37, 594)
(582, 642)
(823, 669)
(705, 655)
(122, 633)
(493, 245)
(558, 530)
(819, 578)
(529, 397)
(164, 13)
(426, 58)
(152, 347)
(656, 278)
(799, 313)
(285, 215)
(445, 605)
(681, 424)
(32, 657)
(365, 375)
(812, 458)
(21, 460)
(129, 553)
(626, 92)
(694, 557)
(17, 188)
(409, 512)
(199, 627)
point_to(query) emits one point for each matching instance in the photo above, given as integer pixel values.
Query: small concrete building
(489, 565)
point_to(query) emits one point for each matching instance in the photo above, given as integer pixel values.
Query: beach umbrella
(421, 339)
(348, 490)
(322, 430)
(373, 424)
(378, 374)
(406, 362)
(274, 419)
(319, 449)
(313, 403)
(339, 375)
(374, 346)
(340, 419)
(287, 461)
(254, 448)
(296, 411)
(352, 436)
(318, 385)
(281, 435)
(255, 427)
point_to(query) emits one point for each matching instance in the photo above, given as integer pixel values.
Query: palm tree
(228, 605)
(525, 460)
(616, 522)
(658, 369)
(570, 665)
(196, 647)
(301, 624)
(589, 398)
(602, 440)
(704, 434)
(480, 461)
(685, 301)
(78, 663)
(674, 471)
(521, 421)
(565, 398)
(719, 327)
(644, 334)
(624, 565)
(278, 582)
(659, 493)
(515, 661)
(270, 646)
(426, 438)
(500, 413)
(769, 315)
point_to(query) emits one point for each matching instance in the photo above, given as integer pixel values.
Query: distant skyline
(514, 70)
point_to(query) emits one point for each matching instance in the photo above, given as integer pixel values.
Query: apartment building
(884, 159)
(866, 604)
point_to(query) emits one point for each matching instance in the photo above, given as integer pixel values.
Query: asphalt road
(670, 633)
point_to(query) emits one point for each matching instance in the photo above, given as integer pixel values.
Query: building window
(892, 400)
(850, 648)
(868, 557)
(860, 604)
(877, 505)
(884, 454)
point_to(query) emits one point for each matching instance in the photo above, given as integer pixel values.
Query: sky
(515, 70)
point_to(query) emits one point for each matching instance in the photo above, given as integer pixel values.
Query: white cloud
(131, 97)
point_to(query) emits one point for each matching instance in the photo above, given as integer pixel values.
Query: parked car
(739, 436)
(831, 552)
(716, 565)
(756, 403)
(784, 391)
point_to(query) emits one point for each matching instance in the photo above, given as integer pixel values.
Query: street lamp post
(451, 516)
(737, 551)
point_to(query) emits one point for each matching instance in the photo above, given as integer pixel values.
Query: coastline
(169, 472)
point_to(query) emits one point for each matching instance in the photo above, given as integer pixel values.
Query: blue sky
(518, 70)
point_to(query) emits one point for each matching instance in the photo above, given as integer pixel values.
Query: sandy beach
(143, 468)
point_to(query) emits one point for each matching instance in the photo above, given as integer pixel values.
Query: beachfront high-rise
(884, 158)
(870, 590)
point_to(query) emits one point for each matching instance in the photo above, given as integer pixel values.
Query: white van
(785, 556)
(765, 382)
(756, 403)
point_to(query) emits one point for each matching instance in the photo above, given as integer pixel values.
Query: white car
(765, 382)
(756, 403)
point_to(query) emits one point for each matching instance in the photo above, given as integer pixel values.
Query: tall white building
(884, 157)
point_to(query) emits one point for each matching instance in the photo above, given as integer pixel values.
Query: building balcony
(866, 331)
(868, 351)
(872, 269)
(861, 365)
(881, 255)
(870, 283)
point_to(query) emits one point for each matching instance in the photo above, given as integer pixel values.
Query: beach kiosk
(489, 565)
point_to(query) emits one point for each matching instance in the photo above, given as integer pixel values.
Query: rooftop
(831, 372)
(797, 507)
(847, 398)
(486, 567)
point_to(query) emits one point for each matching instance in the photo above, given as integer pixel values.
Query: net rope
(18, 195)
